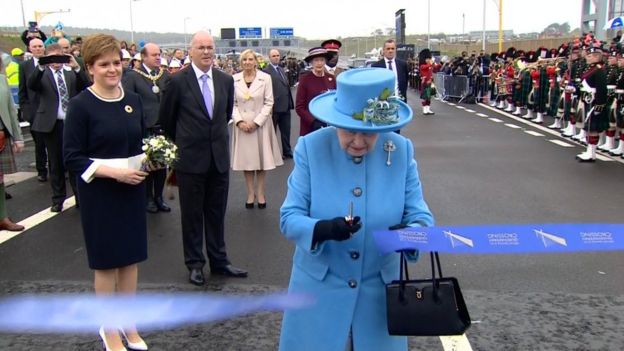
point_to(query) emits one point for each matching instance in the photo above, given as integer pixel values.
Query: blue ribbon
(504, 239)
(76, 313)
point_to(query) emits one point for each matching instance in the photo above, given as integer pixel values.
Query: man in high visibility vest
(12, 71)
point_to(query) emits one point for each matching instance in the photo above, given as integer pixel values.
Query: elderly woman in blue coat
(349, 180)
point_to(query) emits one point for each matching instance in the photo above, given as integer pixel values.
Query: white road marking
(482, 115)
(556, 133)
(469, 110)
(534, 133)
(455, 343)
(495, 120)
(512, 126)
(603, 158)
(560, 143)
(450, 104)
(18, 177)
(36, 219)
(460, 107)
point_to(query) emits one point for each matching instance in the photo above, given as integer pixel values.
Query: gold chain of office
(149, 76)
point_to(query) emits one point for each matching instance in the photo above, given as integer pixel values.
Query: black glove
(334, 229)
(397, 226)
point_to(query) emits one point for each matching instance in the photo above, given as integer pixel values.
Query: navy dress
(112, 213)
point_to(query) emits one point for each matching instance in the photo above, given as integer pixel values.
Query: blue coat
(347, 278)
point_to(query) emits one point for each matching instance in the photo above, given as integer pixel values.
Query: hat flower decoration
(382, 110)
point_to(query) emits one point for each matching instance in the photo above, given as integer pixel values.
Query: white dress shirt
(396, 75)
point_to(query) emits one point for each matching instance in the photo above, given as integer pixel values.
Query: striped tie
(62, 90)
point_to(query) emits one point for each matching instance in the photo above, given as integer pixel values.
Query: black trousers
(203, 200)
(54, 144)
(282, 120)
(41, 156)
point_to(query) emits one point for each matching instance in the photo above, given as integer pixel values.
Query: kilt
(597, 122)
(7, 161)
(619, 114)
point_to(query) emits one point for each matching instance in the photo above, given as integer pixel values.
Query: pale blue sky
(310, 18)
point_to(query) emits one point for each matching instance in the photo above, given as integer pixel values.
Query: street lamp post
(185, 41)
(131, 24)
(429, 24)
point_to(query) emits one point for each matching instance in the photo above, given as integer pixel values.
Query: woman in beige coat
(255, 148)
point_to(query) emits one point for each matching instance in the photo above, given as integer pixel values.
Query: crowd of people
(94, 101)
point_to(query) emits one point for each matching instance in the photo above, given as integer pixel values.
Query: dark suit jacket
(44, 83)
(132, 81)
(28, 98)
(184, 118)
(282, 96)
(402, 74)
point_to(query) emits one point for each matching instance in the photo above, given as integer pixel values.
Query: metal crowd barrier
(452, 86)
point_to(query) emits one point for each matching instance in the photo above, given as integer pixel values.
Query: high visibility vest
(12, 73)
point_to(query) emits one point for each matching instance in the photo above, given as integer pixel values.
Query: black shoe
(249, 205)
(196, 277)
(288, 156)
(162, 206)
(229, 271)
(151, 206)
(56, 207)
(261, 206)
(7, 196)
(42, 178)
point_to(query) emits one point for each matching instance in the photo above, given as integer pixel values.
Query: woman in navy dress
(102, 123)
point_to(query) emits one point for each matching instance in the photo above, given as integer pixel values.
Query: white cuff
(89, 174)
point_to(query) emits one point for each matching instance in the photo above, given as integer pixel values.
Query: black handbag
(428, 307)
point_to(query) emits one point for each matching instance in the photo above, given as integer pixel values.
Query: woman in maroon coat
(311, 84)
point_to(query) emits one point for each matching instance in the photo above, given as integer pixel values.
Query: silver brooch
(389, 147)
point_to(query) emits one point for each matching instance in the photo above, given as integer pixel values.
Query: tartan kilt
(555, 96)
(611, 110)
(7, 161)
(597, 122)
(527, 86)
(425, 91)
(619, 114)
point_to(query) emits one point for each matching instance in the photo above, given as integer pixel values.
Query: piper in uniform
(572, 91)
(582, 108)
(595, 87)
(332, 46)
(613, 73)
(619, 91)
(426, 80)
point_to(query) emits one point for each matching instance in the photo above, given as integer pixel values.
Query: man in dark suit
(398, 66)
(55, 84)
(195, 109)
(29, 102)
(148, 81)
(282, 100)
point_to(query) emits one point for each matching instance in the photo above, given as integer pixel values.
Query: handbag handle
(404, 274)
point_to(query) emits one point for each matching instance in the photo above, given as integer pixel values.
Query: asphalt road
(474, 171)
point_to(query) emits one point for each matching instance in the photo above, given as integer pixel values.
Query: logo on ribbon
(458, 240)
(550, 239)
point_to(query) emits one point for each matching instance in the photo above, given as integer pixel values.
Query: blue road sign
(249, 33)
(281, 33)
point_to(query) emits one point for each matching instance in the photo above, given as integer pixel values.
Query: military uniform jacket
(347, 278)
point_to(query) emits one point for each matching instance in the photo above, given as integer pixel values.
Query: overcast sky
(313, 19)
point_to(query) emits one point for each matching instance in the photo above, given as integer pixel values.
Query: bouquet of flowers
(160, 152)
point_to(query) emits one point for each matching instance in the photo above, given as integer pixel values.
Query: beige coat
(258, 150)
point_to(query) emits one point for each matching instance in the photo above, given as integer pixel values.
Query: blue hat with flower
(363, 101)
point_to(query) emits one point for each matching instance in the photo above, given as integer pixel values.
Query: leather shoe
(42, 178)
(151, 206)
(6, 224)
(56, 207)
(196, 277)
(161, 205)
(229, 271)
(7, 196)
(287, 156)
